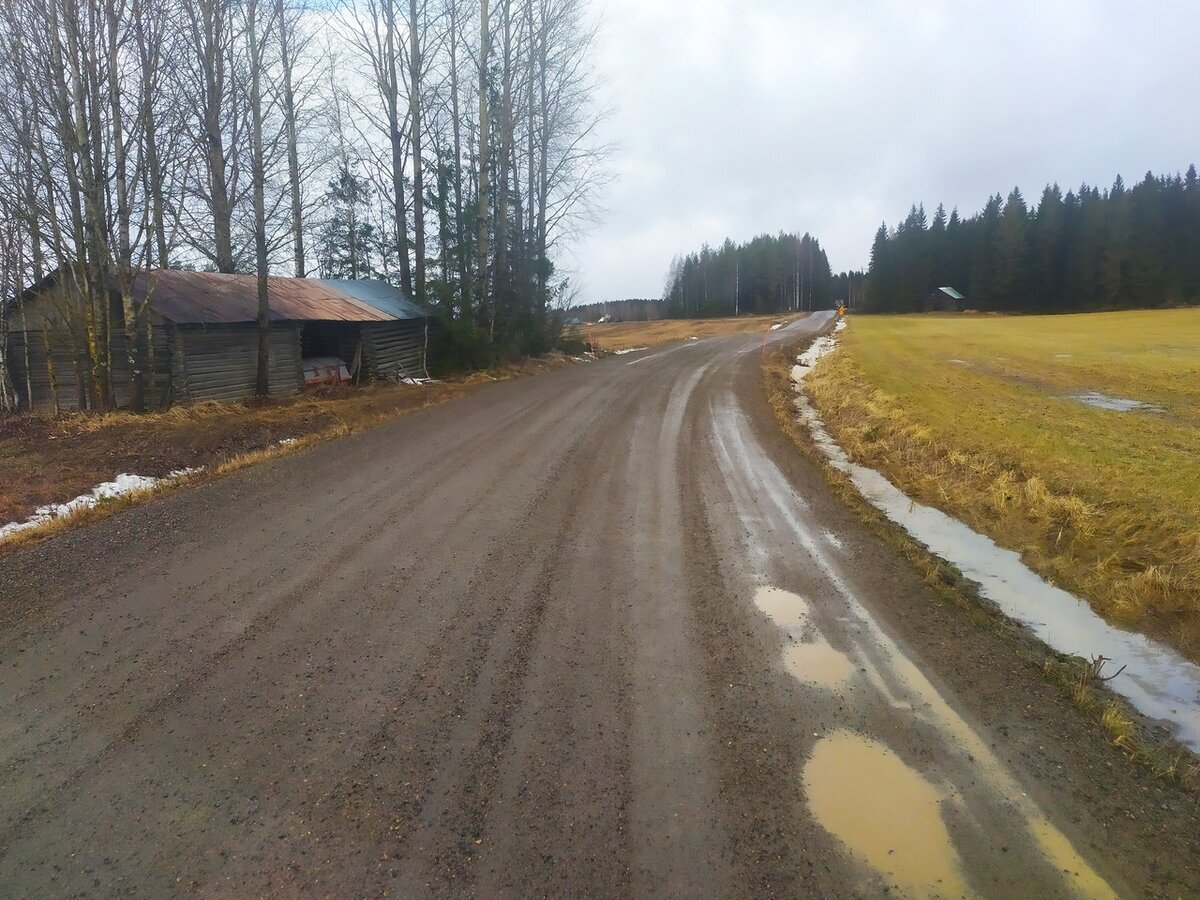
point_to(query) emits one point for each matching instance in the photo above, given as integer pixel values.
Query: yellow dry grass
(626, 335)
(1162, 756)
(977, 415)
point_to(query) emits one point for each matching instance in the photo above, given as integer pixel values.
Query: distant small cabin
(204, 336)
(944, 299)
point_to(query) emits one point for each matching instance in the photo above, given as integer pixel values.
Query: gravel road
(599, 632)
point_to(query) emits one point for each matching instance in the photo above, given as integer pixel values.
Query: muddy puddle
(807, 656)
(1157, 681)
(886, 813)
(817, 663)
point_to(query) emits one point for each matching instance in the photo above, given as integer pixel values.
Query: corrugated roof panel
(951, 292)
(211, 298)
(380, 295)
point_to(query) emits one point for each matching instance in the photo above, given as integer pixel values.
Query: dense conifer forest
(770, 274)
(1084, 250)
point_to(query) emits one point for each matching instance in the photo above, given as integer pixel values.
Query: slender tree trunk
(152, 172)
(531, 151)
(263, 381)
(86, 119)
(414, 124)
(211, 50)
(503, 274)
(543, 189)
(396, 135)
(464, 269)
(124, 257)
(288, 98)
(482, 250)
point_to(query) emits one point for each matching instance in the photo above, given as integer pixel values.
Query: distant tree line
(1088, 249)
(632, 310)
(850, 288)
(447, 146)
(771, 274)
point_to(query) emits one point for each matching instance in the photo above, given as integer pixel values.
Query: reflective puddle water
(1116, 404)
(808, 657)
(885, 813)
(787, 610)
(817, 663)
(1060, 852)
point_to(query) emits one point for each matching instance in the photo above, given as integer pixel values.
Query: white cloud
(765, 115)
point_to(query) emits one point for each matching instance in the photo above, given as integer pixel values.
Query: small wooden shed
(205, 336)
(944, 299)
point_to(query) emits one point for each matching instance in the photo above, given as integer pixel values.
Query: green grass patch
(979, 416)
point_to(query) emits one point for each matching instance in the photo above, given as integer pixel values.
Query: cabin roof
(214, 298)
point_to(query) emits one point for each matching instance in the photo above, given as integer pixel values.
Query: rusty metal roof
(211, 298)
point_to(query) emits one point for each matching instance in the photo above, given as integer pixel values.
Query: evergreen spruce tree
(1011, 254)
(348, 243)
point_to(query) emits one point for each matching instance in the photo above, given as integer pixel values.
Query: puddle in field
(1158, 681)
(1115, 404)
(886, 813)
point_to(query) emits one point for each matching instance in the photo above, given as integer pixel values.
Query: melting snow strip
(121, 486)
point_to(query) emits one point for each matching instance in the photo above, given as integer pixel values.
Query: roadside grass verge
(626, 335)
(46, 460)
(978, 416)
(1115, 719)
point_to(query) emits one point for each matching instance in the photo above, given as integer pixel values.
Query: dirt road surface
(600, 632)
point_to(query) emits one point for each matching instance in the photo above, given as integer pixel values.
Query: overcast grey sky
(735, 118)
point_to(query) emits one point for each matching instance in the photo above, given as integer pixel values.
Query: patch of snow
(629, 350)
(287, 442)
(693, 338)
(806, 360)
(121, 486)
(841, 325)
(777, 326)
(408, 379)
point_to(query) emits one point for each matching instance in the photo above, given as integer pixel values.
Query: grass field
(980, 416)
(626, 335)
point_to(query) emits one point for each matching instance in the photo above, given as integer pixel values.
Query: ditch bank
(1151, 711)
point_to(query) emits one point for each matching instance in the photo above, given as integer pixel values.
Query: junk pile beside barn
(204, 337)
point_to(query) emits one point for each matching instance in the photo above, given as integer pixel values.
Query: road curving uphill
(598, 632)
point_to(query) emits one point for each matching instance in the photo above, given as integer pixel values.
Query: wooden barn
(945, 299)
(204, 336)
